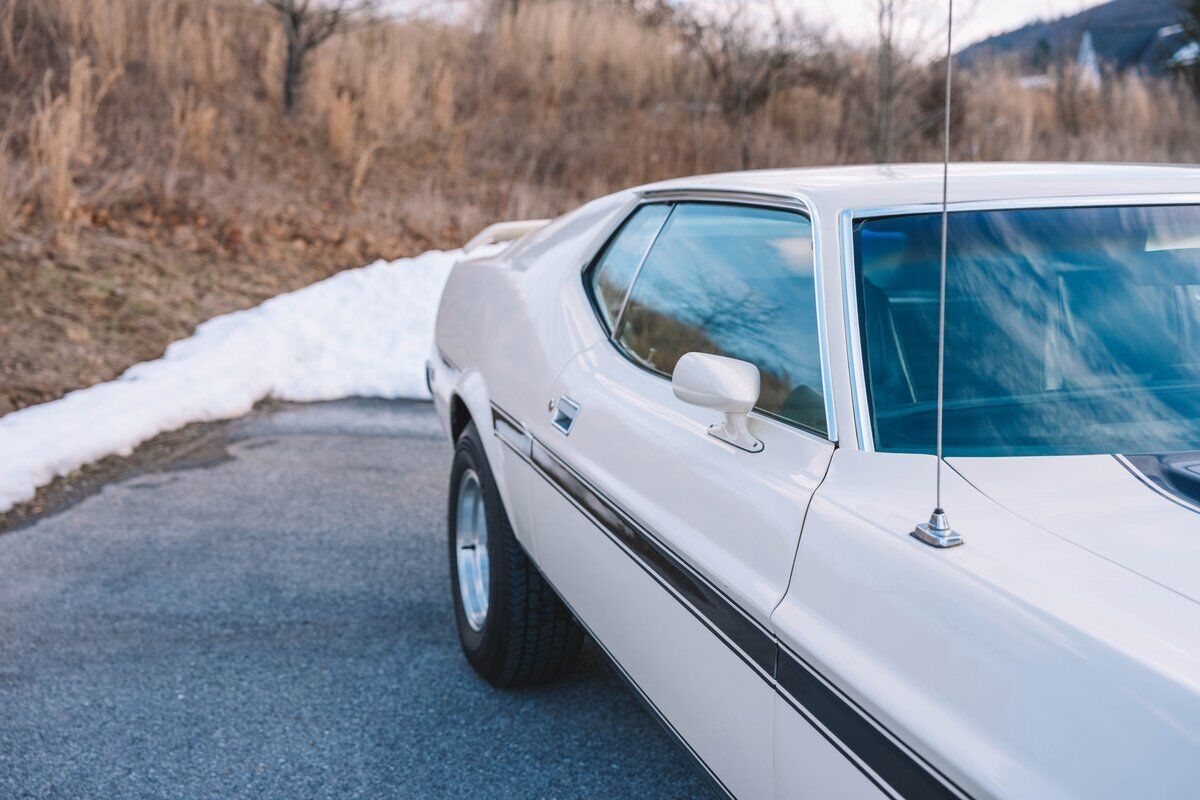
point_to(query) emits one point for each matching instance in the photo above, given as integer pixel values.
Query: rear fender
(472, 390)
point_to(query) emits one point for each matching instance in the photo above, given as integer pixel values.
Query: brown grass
(62, 135)
(1132, 118)
(155, 126)
(175, 101)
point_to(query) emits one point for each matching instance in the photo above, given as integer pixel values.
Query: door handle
(563, 412)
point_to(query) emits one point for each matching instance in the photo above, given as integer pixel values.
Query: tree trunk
(887, 82)
(887, 95)
(743, 121)
(293, 67)
(744, 141)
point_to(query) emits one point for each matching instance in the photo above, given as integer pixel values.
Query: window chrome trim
(728, 196)
(822, 325)
(787, 202)
(617, 217)
(615, 333)
(864, 433)
(1063, 202)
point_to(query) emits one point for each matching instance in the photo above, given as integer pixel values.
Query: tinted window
(609, 279)
(733, 281)
(1068, 331)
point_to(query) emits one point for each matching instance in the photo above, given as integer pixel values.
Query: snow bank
(363, 332)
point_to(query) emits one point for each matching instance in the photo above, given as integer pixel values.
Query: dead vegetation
(149, 177)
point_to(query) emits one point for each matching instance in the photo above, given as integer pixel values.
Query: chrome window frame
(619, 322)
(786, 202)
(599, 248)
(864, 431)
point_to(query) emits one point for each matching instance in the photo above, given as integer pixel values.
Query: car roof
(881, 186)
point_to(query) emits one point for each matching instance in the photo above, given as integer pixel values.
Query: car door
(671, 545)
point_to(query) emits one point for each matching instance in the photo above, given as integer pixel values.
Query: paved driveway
(273, 620)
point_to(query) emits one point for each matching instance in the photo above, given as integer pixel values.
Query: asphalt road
(270, 617)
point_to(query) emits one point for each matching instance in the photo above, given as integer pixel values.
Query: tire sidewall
(481, 647)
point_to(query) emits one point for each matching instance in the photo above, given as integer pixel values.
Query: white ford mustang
(697, 420)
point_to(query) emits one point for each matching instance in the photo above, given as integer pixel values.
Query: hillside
(1125, 33)
(150, 177)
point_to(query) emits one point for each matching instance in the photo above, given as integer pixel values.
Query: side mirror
(722, 384)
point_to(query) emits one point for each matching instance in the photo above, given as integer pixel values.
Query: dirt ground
(76, 311)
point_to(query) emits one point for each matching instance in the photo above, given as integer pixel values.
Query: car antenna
(937, 531)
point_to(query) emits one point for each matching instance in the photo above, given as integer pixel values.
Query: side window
(734, 281)
(610, 277)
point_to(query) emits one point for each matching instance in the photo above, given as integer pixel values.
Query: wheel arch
(470, 401)
(460, 416)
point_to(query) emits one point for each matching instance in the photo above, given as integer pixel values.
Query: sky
(854, 20)
(974, 19)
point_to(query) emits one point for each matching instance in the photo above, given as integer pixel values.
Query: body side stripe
(751, 638)
(857, 734)
(879, 755)
(645, 698)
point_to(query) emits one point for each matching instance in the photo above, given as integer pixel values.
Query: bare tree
(751, 50)
(907, 32)
(652, 12)
(886, 12)
(307, 24)
(901, 30)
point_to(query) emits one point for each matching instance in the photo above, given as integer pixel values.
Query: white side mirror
(722, 384)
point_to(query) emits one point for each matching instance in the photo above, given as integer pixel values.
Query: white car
(696, 420)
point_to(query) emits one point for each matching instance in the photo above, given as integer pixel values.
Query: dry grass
(1131, 118)
(9, 191)
(62, 135)
(176, 101)
(156, 126)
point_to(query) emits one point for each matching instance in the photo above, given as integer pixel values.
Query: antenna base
(937, 532)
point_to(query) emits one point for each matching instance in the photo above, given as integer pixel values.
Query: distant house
(1042, 81)
(1172, 48)
(1087, 65)
(1183, 53)
(1187, 55)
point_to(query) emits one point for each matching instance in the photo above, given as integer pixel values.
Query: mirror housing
(722, 384)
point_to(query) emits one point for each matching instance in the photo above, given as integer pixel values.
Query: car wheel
(513, 628)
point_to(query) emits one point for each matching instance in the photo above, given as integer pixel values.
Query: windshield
(1072, 330)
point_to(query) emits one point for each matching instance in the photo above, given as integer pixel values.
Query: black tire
(528, 635)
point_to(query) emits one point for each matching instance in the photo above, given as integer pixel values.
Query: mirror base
(734, 431)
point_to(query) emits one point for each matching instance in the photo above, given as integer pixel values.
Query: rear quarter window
(609, 278)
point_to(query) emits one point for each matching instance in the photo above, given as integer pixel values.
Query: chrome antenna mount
(937, 531)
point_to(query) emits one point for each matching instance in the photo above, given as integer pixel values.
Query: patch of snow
(363, 332)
